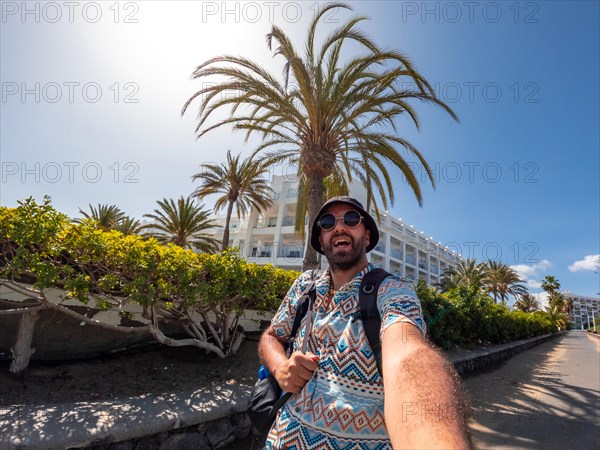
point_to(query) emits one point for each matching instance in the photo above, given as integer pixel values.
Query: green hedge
(466, 318)
(41, 246)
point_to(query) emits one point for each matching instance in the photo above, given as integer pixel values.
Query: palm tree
(502, 280)
(527, 303)
(241, 185)
(182, 223)
(467, 273)
(326, 112)
(557, 317)
(128, 225)
(107, 216)
(551, 285)
(447, 282)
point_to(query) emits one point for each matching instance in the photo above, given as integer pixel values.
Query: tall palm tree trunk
(225, 242)
(316, 193)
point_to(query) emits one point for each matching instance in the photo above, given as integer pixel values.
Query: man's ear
(367, 237)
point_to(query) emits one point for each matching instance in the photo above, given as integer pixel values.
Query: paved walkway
(545, 398)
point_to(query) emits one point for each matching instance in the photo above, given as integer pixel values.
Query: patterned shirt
(341, 406)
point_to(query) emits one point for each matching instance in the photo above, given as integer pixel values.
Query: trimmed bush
(465, 317)
(205, 294)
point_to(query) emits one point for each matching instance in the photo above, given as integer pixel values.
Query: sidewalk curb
(60, 426)
(466, 362)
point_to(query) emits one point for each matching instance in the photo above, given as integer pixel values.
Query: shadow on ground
(537, 399)
(78, 425)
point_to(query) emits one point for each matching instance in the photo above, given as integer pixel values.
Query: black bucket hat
(368, 220)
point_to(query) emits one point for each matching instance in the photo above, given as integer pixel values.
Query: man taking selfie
(348, 394)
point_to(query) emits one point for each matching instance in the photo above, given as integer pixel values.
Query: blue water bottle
(263, 372)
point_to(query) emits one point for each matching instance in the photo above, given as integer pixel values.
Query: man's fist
(296, 371)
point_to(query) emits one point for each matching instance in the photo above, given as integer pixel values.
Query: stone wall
(58, 336)
(469, 362)
(213, 435)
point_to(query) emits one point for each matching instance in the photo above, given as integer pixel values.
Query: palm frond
(182, 223)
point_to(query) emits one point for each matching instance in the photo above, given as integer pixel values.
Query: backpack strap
(300, 313)
(369, 314)
(306, 301)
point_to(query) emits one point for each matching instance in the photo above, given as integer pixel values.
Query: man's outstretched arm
(291, 374)
(425, 406)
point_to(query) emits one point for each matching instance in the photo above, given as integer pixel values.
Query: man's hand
(295, 372)
(291, 374)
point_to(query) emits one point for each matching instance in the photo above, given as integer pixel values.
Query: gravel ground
(167, 369)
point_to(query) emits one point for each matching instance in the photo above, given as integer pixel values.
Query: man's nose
(339, 222)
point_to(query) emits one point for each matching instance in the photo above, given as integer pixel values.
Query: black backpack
(266, 398)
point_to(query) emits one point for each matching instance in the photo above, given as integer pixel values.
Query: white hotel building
(269, 237)
(584, 310)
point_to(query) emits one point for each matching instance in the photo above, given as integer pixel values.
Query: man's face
(343, 246)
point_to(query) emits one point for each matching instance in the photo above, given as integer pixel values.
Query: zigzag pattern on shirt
(372, 391)
(355, 367)
(290, 434)
(351, 358)
(396, 298)
(345, 420)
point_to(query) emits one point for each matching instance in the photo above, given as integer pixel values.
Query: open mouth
(341, 243)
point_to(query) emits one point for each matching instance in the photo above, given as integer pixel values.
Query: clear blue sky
(91, 98)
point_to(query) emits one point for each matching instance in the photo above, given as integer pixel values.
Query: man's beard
(347, 259)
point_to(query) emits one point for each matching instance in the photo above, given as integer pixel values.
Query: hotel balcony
(290, 253)
(396, 253)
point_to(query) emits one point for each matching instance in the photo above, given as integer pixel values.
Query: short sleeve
(283, 320)
(397, 301)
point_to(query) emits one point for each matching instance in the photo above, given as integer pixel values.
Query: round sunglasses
(350, 218)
